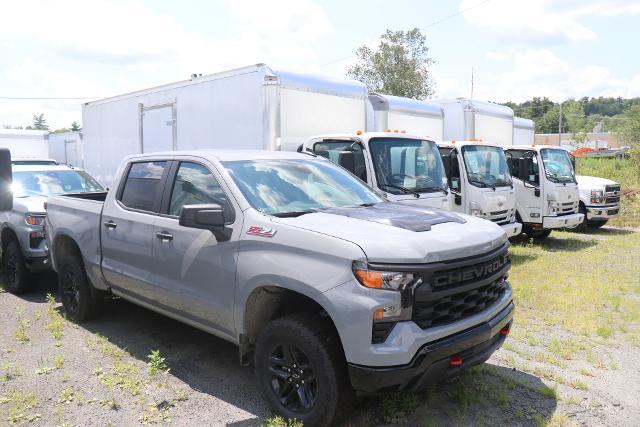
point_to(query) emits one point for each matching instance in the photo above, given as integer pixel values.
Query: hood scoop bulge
(398, 214)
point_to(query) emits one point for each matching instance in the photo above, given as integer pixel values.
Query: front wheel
(16, 275)
(301, 370)
(74, 288)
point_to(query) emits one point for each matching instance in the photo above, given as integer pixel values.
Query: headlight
(389, 280)
(596, 196)
(34, 219)
(553, 207)
(477, 212)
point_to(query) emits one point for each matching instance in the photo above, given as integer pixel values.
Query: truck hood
(401, 233)
(33, 204)
(593, 182)
(500, 200)
(563, 193)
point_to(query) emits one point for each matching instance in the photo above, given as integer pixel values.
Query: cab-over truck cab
(480, 182)
(404, 167)
(547, 195)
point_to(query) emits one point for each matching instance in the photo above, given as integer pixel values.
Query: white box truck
(524, 131)
(253, 107)
(25, 143)
(388, 112)
(66, 148)
(469, 119)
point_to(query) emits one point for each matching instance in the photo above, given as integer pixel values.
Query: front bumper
(512, 229)
(38, 264)
(602, 212)
(564, 221)
(432, 363)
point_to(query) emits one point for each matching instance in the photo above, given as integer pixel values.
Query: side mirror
(6, 179)
(523, 169)
(455, 184)
(573, 161)
(202, 216)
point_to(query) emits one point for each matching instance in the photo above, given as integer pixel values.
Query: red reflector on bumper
(455, 361)
(505, 331)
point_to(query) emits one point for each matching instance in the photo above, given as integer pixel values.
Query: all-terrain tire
(79, 300)
(17, 278)
(316, 356)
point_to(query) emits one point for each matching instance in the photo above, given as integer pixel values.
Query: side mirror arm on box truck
(6, 180)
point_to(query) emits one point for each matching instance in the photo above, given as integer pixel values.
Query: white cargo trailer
(254, 107)
(25, 143)
(468, 119)
(524, 131)
(66, 148)
(388, 112)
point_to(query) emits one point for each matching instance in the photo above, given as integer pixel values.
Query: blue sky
(518, 49)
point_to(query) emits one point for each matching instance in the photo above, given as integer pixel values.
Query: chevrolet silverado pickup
(323, 284)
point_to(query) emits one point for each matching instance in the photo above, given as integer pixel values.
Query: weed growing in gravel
(157, 412)
(56, 321)
(58, 361)
(278, 421)
(156, 363)
(23, 324)
(123, 375)
(578, 384)
(20, 405)
(66, 396)
(11, 371)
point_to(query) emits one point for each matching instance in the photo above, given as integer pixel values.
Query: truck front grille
(568, 208)
(456, 290)
(612, 195)
(500, 217)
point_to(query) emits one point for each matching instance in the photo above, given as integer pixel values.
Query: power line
(431, 24)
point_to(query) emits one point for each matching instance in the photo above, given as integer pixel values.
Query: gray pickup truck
(324, 285)
(23, 249)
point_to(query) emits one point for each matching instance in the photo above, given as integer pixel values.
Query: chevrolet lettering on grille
(471, 273)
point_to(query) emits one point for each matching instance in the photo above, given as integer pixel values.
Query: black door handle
(110, 224)
(164, 235)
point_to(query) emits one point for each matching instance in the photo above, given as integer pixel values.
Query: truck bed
(78, 217)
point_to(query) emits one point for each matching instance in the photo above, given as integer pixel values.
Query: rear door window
(142, 188)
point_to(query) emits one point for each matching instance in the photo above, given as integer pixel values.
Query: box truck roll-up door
(157, 128)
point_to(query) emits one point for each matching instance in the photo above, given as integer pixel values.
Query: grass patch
(56, 321)
(396, 408)
(20, 406)
(156, 363)
(278, 421)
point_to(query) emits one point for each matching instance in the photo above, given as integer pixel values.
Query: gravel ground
(54, 372)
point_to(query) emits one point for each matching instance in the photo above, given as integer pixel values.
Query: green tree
(548, 123)
(399, 66)
(575, 121)
(39, 122)
(75, 127)
(628, 130)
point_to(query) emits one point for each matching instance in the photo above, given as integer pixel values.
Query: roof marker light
(358, 132)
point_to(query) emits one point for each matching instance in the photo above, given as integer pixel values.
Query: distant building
(595, 140)
(25, 143)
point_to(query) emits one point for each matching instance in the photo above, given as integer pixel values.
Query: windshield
(486, 166)
(557, 165)
(407, 165)
(52, 182)
(280, 187)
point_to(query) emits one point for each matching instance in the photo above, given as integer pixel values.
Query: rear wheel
(75, 290)
(16, 275)
(301, 370)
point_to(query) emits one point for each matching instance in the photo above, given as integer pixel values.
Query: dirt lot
(573, 357)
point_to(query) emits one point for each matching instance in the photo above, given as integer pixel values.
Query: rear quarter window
(141, 189)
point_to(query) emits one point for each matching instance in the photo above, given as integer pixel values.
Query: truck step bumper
(437, 360)
(513, 229)
(565, 221)
(602, 212)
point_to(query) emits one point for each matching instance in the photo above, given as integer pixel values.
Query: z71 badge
(260, 231)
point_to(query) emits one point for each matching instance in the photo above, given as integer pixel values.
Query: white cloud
(633, 88)
(105, 47)
(542, 21)
(540, 72)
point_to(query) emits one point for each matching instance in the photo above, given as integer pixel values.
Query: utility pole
(560, 127)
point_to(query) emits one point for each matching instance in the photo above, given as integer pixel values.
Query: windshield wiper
(293, 214)
(431, 189)
(482, 184)
(366, 205)
(403, 189)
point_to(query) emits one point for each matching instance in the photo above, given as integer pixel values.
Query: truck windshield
(407, 165)
(486, 166)
(557, 165)
(52, 182)
(293, 187)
